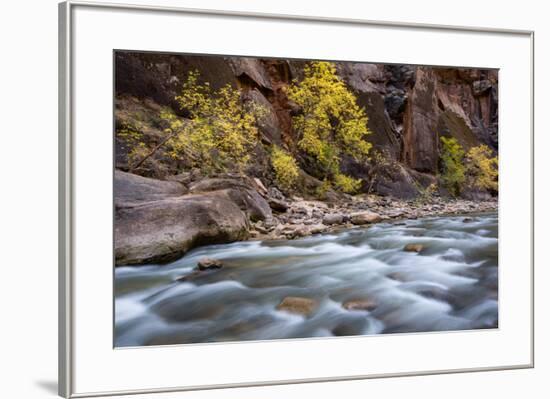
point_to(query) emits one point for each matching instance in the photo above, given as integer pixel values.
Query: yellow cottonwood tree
(483, 167)
(220, 130)
(286, 169)
(331, 124)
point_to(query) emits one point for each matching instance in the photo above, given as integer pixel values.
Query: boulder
(277, 204)
(298, 305)
(218, 183)
(133, 188)
(366, 217)
(274, 192)
(253, 204)
(164, 230)
(395, 180)
(333, 218)
(240, 191)
(317, 228)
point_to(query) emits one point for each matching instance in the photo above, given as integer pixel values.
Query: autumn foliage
(331, 123)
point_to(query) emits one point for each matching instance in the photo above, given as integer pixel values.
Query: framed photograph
(255, 199)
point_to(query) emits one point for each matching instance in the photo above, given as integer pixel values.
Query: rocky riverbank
(307, 217)
(158, 221)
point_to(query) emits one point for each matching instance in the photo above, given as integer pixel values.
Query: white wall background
(28, 199)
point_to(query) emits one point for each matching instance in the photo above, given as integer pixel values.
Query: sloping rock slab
(133, 188)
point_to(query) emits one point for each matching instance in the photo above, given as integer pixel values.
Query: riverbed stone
(277, 205)
(317, 228)
(333, 218)
(361, 218)
(209, 263)
(413, 248)
(360, 304)
(261, 228)
(298, 305)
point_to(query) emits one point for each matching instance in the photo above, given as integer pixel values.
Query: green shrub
(285, 167)
(452, 164)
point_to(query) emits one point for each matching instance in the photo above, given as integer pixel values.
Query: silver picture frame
(66, 187)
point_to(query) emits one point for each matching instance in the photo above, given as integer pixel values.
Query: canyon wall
(409, 108)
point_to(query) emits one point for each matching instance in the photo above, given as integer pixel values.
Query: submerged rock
(413, 248)
(298, 305)
(209, 263)
(360, 304)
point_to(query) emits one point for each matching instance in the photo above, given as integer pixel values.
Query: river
(452, 284)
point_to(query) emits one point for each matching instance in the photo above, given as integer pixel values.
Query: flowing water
(452, 284)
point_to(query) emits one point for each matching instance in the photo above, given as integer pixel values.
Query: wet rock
(333, 218)
(298, 305)
(413, 248)
(209, 263)
(360, 304)
(366, 217)
(196, 275)
(397, 276)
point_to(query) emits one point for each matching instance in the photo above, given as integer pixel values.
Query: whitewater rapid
(452, 284)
